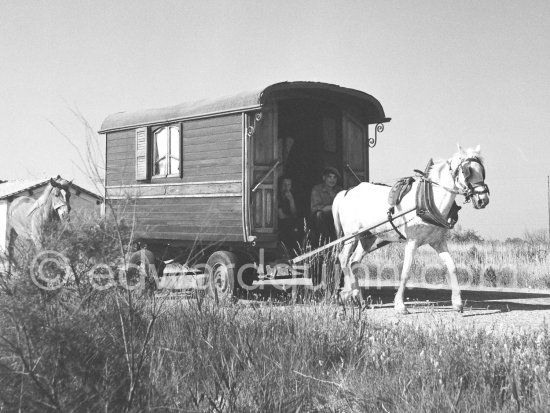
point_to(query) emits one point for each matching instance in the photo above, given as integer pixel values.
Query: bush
(461, 235)
(72, 347)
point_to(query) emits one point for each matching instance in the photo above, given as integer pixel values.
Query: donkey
(364, 205)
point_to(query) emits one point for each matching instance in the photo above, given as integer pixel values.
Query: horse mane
(43, 199)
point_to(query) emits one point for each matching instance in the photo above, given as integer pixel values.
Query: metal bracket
(378, 129)
(252, 128)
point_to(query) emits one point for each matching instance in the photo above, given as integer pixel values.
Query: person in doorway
(297, 164)
(290, 232)
(322, 196)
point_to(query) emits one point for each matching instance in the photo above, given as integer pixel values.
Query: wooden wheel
(221, 268)
(143, 260)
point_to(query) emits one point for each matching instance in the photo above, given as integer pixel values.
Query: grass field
(80, 349)
(124, 353)
(492, 264)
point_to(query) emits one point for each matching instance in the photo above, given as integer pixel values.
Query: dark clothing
(297, 165)
(290, 227)
(290, 233)
(284, 205)
(322, 228)
(322, 222)
(322, 195)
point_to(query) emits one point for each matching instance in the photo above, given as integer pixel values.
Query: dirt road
(501, 310)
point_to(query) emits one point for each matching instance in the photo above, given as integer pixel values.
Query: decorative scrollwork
(252, 128)
(378, 129)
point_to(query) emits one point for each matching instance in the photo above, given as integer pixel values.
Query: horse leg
(398, 302)
(362, 249)
(443, 251)
(356, 258)
(356, 262)
(11, 249)
(344, 258)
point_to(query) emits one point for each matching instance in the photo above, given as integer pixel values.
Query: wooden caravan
(206, 173)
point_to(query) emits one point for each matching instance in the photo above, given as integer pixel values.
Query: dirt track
(506, 316)
(500, 310)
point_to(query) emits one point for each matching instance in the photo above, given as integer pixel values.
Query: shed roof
(244, 102)
(14, 188)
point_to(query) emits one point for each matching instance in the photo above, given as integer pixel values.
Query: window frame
(169, 153)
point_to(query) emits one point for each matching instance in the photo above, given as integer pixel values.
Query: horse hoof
(458, 307)
(344, 295)
(457, 303)
(401, 309)
(347, 294)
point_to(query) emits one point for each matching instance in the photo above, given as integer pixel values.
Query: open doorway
(310, 140)
(315, 132)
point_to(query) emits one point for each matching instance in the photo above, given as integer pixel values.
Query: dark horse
(27, 216)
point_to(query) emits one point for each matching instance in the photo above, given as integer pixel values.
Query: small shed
(82, 200)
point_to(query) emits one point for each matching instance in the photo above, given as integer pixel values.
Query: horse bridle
(470, 189)
(60, 201)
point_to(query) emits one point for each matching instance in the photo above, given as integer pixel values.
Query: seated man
(290, 231)
(322, 196)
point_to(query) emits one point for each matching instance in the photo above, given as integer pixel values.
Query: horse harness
(470, 190)
(425, 205)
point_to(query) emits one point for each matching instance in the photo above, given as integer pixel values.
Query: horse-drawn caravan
(200, 179)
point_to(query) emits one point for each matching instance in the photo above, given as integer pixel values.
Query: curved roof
(369, 106)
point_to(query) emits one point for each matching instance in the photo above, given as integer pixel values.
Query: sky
(446, 72)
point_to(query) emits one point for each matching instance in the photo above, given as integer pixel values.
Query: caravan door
(356, 157)
(264, 171)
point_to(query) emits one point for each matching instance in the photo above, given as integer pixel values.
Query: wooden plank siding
(208, 189)
(205, 204)
(183, 219)
(212, 150)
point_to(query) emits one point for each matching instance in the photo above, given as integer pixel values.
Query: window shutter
(181, 150)
(141, 154)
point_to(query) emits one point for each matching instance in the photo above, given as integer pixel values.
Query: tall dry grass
(79, 349)
(223, 358)
(492, 264)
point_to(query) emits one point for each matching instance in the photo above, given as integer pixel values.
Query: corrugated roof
(236, 103)
(12, 188)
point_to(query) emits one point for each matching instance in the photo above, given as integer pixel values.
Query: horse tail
(336, 213)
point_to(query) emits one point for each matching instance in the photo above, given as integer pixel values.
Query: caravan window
(166, 151)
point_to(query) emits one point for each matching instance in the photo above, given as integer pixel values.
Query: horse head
(61, 197)
(469, 175)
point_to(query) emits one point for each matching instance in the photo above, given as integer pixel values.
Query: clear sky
(474, 72)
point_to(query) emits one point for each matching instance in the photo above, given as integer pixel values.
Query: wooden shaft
(265, 176)
(353, 173)
(302, 257)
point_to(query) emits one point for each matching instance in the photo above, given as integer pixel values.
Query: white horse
(366, 204)
(27, 216)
